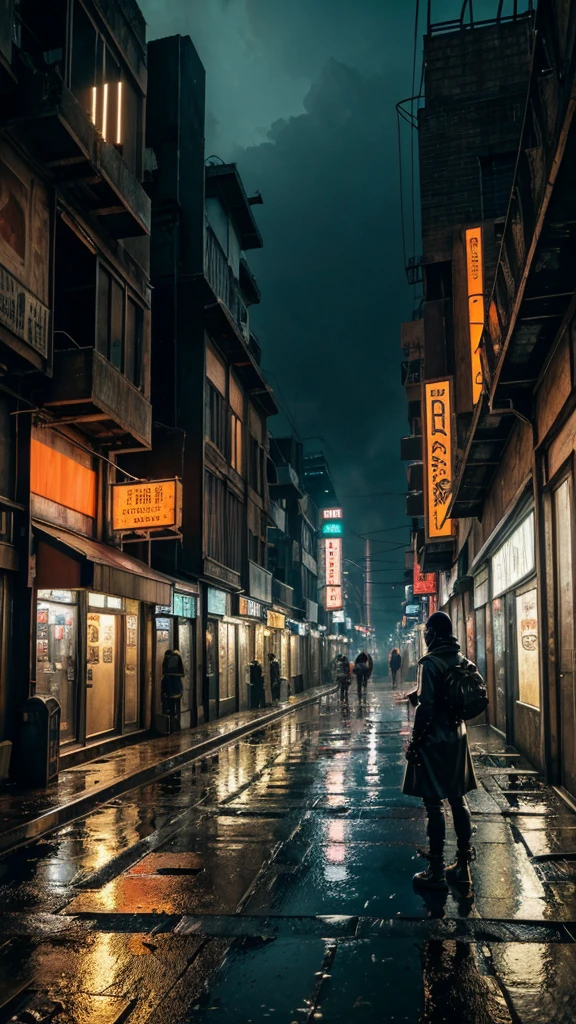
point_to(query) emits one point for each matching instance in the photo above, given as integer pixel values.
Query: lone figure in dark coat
(439, 762)
(274, 676)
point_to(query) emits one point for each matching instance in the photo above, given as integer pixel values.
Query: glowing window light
(105, 111)
(94, 104)
(119, 116)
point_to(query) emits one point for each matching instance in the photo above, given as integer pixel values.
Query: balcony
(222, 282)
(89, 392)
(54, 126)
(260, 583)
(282, 594)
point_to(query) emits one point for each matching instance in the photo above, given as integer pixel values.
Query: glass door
(186, 648)
(164, 642)
(563, 554)
(131, 667)
(101, 673)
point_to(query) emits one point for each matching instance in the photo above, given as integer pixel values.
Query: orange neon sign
(152, 505)
(438, 457)
(475, 274)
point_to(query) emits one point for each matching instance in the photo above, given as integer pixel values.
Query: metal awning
(107, 570)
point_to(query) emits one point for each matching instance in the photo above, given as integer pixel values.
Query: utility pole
(368, 585)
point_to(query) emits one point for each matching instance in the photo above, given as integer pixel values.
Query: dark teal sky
(302, 94)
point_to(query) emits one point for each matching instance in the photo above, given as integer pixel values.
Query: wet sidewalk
(29, 814)
(273, 882)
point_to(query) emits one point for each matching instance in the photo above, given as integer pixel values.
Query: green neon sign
(333, 529)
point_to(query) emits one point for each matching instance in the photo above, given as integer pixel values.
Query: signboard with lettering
(153, 505)
(275, 620)
(515, 559)
(334, 528)
(333, 558)
(334, 599)
(250, 608)
(424, 582)
(331, 513)
(475, 276)
(438, 457)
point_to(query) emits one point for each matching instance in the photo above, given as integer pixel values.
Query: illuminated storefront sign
(217, 601)
(250, 608)
(155, 505)
(424, 582)
(331, 513)
(475, 276)
(275, 620)
(332, 529)
(334, 599)
(515, 559)
(438, 457)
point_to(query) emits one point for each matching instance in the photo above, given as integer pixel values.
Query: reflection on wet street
(273, 881)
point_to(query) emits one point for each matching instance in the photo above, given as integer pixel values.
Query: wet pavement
(272, 882)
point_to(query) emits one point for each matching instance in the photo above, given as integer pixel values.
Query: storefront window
(101, 673)
(186, 648)
(227, 648)
(131, 666)
(527, 646)
(498, 633)
(481, 641)
(56, 653)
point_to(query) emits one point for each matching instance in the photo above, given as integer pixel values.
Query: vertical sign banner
(333, 560)
(424, 582)
(475, 276)
(438, 457)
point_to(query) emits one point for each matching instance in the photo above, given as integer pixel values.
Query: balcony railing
(282, 593)
(86, 390)
(222, 281)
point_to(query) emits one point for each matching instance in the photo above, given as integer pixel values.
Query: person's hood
(444, 645)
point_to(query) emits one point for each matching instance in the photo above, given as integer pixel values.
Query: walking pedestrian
(395, 664)
(274, 677)
(343, 677)
(363, 667)
(439, 762)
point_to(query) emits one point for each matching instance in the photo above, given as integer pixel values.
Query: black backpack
(466, 695)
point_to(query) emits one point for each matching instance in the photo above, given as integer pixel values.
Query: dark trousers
(394, 673)
(344, 687)
(436, 829)
(362, 681)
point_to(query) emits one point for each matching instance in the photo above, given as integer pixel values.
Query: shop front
(92, 626)
(512, 636)
(298, 655)
(252, 616)
(175, 630)
(221, 655)
(277, 640)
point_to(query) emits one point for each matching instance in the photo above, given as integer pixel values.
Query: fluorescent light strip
(119, 116)
(94, 103)
(105, 112)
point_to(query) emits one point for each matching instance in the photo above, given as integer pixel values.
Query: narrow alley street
(273, 882)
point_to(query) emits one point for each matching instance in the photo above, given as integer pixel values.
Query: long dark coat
(447, 771)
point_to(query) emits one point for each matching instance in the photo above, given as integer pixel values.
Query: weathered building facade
(506, 558)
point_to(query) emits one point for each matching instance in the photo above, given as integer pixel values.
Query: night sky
(302, 94)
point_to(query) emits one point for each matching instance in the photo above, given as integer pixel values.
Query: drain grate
(559, 867)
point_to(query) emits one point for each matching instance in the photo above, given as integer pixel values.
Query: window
(236, 443)
(255, 477)
(223, 523)
(216, 419)
(496, 178)
(104, 89)
(119, 326)
(527, 647)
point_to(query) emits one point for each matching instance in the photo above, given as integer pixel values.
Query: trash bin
(39, 760)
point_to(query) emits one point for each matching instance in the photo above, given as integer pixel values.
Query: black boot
(434, 877)
(459, 873)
